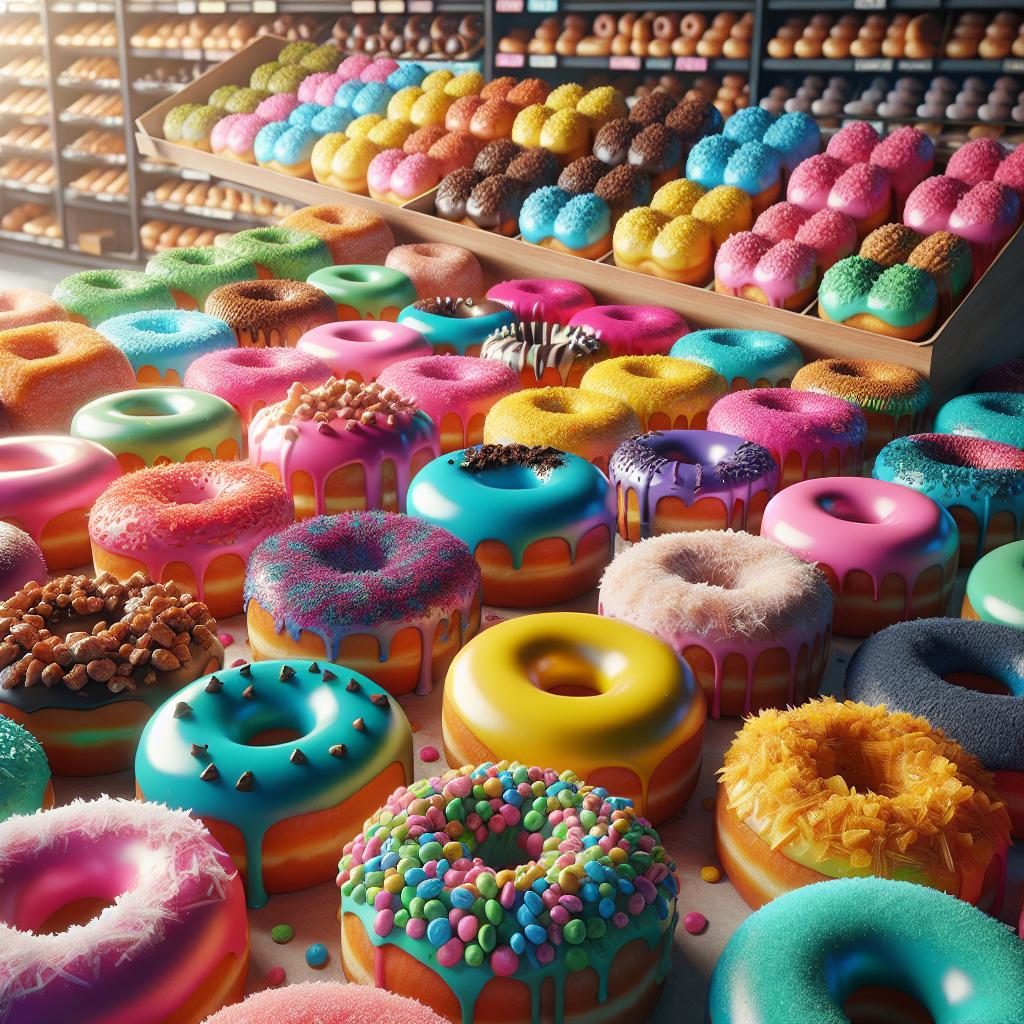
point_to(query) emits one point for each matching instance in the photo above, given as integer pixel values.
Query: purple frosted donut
(456, 392)
(633, 330)
(250, 378)
(363, 348)
(21, 561)
(539, 299)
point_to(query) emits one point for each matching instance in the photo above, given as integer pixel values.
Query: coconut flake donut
(352, 235)
(20, 307)
(343, 446)
(994, 589)
(157, 425)
(752, 621)
(21, 560)
(833, 790)
(25, 784)
(853, 935)
(47, 371)
(192, 522)
(48, 483)
(633, 330)
(980, 482)
(893, 398)
(267, 313)
(539, 522)
(92, 296)
(277, 808)
(171, 942)
(746, 359)
(545, 354)
(384, 594)
(162, 344)
(546, 918)
(88, 702)
(456, 326)
(191, 274)
(889, 552)
(993, 415)
(365, 291)
(251, 378)
(361, 349)
(552, 300)
(279, 251)
(434, 266)
(584, 423)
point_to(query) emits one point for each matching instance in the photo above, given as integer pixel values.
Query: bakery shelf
(85, 7)
(18, 7)
(101, 122)
(173, 170)
(209, 216)
(866, 6)
(89, 84)
(23, 83)
(25, 188)
(600, 6)
(115, 203)
(25, 238)
(23, 119)
(506, 62)
(99, 159)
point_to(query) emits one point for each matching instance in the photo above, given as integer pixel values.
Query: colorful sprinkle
(317, 955)
(226, 639)
(282, 933)
(695, 922)
(709, 873)
(429, 754)
(275, 976)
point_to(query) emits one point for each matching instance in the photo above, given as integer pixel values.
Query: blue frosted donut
(748, 125)
(266, 139)
(405, 76)
(294, 147)
(331, 119)
(577, 223)
(303, 114)
(192, 273)
(347, 93)
(798, 959)
(456, 324)
(168, 340)
(754, 167)
(539, 212)
(996, 415)
(373, 98)
(707, 160)
(794, 136)
(995, 587)
(744, 358)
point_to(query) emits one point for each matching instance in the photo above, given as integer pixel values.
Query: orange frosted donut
(351, 234)
(435, 267)
(264, 313)
(22, 306)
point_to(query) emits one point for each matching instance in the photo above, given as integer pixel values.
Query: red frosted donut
(433, 266)
(540, 299)
(21, 306)
(21, 561)
(633, 330)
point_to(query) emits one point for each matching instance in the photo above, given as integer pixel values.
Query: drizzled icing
(540, 345)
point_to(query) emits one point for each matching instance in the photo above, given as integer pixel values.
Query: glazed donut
(47, 486)
(92, 296)
(455, 325)
(633, 330)
(433, 266)
(99, 687)
(545, 354)
(745, 359)
(544, 537)
(364, 291)
(192, 274)
(20, 307)
(889, 552)
(358, 349)
(251, 378)
(903, 801)
(994, 416)
(21, 562)
(270, 313)
(437, 962)
(380, 593)
(550, 300)
(994, 589)
(281, 252)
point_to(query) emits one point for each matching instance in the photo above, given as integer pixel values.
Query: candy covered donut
(365, 291)
(434, 266)
(157, 425)
(25, 784)
(633, 330)
(994, 415)
(171, 943)
(20, 307)
(456, 326)
(361, 349)
(270, 313)
(538, 521)
(872, 937)
(746, 359)
(832, 790)
(515, 690)
(591, 927)
(995, 587)
(352, 235)
(387, 595)
(191, 274)
(21, 560)
(279, 251)
(92, 296)
(334, 746)
(48, 483)
(554, 300)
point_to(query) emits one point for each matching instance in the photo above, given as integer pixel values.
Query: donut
(860, 927)
(455, 325)
(157, 425)
(20, 307)
(658, 152)
(538, 521)
(282, 252)
(1008, 376)
(92, 296)
(977, 160)
(383, 594)
(433, 266)
(907, 156)
(358, 349)
(251, 378)
(270, 313)
(351, 234)
(854, 143)
(889, 552)
(808, 435)
(161, 345)
(622, 962)
(693, 118)
(364, 291)
(795, 136)
(21, 561)
(890, 244)
(584, 423)
(948, 259)
(748, 125)
(992, 415)
(48, 483)
(343, 445)
(99, 687)
(744, 358)
(650, 109)
(993, 591)
(453, 193)
(550, 300)
(783, 274)
(903, 802)
(545, 354)
(191, 274)
(554, 219)
(633, 330)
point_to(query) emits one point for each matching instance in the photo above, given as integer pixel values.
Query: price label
(1013, 65)
(691, 63)
(391, 6)
(212, 6)
(509, 60)
(623, 63)
(915, 65)
(872, 64)
(186, 7)
(542, 6)
(421, 6)
(192, 54)
(364, 6)
(869, 5)
(543, 60)
(659, 63)
(264, 6)
(508, 6)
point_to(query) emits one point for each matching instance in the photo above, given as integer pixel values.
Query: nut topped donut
(270, 313)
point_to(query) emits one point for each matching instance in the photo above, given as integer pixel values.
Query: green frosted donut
(24, 771)
(287, 78)
(175, 120)
(261, 75)
(197, 271)
(294, 52)
(369, 291)
(323, 58)
(281, 252)
(245, 101)
(798, 959)
(901, 295)
(995, 587)
(93, 296)
(219, 97)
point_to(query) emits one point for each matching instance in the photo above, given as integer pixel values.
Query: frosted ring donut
(746, 359)
(22, 306)
(541, 299)
(191, 274)
(361, 349)
(352, 235)
(633, 330)
(995, 587)
(92, 296)
(519, 688)
(364, 291)
(433, 266)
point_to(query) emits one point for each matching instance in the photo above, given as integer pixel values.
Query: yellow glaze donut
(665, 392)
(565, 97)
(400, 105)
(469, 83)
(566, 133)
(437, 79)
(361, 127)
(677, 197)
(675, 248)
(726, 210)
(529, 123)
(390, 134)
(612, 700)
(430, 108)
(323, 155)
(603, 104)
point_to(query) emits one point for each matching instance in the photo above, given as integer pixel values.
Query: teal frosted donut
(281, 252)
(24, 771)
(191, 274)
(798, 959)
(995, 415)
(92, 296)
(456, 324)
(363, 291)
(995, 587)
(744, 358)
(162, 344)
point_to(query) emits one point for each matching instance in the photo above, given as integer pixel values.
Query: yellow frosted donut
(566, 133)
(565, 96)
(678, 197)
(603, 104)
(612, 700)
(665, 392)
(349, 165)
(400, 105)
(529, 123)
(684, 251)
(469, 83)
(390, 134)
(430, 108)
(361, 127)
(323, 155)
(634, 235)
(437, 80)
(584, 423)
(726, 210)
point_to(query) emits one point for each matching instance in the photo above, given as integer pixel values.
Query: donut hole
(441, 369)
(367, 557)
(77, 912)
(841, 369)
(622, 315)
(852, 507)
(775, 400)
(356, 274)
(569, 671)
(510, 478)
(1001, 405)
(32, 346)
(859, 766)
(156, 325)
(885, 1005)
(979, 682)
(147, 404)
(557, 404)
(694, 569)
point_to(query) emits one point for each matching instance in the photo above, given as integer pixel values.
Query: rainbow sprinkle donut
(281, 252)
(591, 877)
(191, 274)
(92, 296)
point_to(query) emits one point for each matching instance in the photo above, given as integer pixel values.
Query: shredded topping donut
(542, 459)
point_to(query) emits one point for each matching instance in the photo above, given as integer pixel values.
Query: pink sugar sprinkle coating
(928, 207)
(786, 265)
(634, 330)
(861, 191)
(977, 160)
(831, 234)
(327, 88)
(853, 144)
(782, 220)
(987, 214)
(382, 166)
(243, 133)
(811, 182)
(308, 86)
(695, 922)
(434, 266)
(354, 66)
(378, 70)
(738, 256)
(277, 107)
(415, 175)
(219, 134)
(1011, 172)
(907, 156)
(21, 561)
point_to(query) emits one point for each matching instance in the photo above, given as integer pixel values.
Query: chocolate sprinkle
(582, 175)
(329, 676)
(749, 462)
(245, 670)
(209, 773)
(297, 757)
(380, 700)
(314, 668)
(182, 710)
(542, 459)
(286, 673)
(244, 783)
(249, 693)
(353, 686)
(359, 725)
(214, 685)
(338, 750)
(198, 749)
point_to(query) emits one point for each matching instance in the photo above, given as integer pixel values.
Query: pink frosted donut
(22, 306)
(1011, 172)
(781, 220)
(308, 87)
(542, 300)
(456, 392)
(853, 144)
(907, 156)
(929, 206)
(48, 484)
(326, 1003)
(782, 275)
(327, 88)
(434, 266)
(810, 184)
(863, 192)
(977, 160)
(354, 66)
(831, 234)
(986, 217)
(251, 378)
(395, 176)
(175, 924)
(21, 561)
(378, 70)
(241, 135)
(277, 107)
(361, 349)
(633, 330)
(809, 435)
